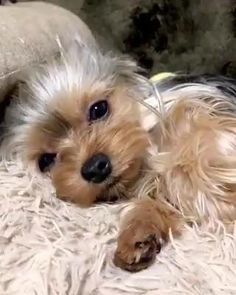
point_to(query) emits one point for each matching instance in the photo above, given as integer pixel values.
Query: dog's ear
(130, 74)
(128, 69)
(126, 66)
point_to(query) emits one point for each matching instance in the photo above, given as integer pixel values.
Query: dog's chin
(113, 193)
(114, 190)
(108, 198)
(111, 197)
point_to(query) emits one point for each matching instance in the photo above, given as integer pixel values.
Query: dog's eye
(98, 110)
(46, 161)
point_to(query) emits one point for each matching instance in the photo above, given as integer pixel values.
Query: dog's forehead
(66, 107)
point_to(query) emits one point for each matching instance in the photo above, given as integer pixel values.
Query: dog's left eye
(98, 110)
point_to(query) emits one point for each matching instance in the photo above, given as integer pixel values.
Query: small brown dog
(78, 118)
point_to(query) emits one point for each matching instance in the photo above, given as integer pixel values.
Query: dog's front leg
(144, 230)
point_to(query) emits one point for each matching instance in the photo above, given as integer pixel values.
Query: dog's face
(87, 132)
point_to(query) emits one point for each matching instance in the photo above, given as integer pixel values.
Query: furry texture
(51, 247)
(197, 149)
(52, 117)
(84, 104)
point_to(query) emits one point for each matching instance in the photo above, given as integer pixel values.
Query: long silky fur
(184, 176)
(205, 189)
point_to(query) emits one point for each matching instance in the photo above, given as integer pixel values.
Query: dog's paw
(137, 248)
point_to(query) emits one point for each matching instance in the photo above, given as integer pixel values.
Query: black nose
(97, 168)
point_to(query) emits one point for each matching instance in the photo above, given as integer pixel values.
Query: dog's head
(80, 121)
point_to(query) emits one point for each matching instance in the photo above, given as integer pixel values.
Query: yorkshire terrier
(78, 118)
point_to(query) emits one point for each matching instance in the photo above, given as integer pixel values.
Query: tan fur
(190, 176)
(191, 168)
(194, 174)
(143, 232)
(195, 166)
(120, 137)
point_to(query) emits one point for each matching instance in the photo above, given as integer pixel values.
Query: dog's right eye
(46, 161)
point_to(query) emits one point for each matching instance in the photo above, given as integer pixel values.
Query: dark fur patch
(56, 125)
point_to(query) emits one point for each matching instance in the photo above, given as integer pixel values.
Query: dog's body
(79, 119)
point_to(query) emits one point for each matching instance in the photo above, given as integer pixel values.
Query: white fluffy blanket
(49, 247)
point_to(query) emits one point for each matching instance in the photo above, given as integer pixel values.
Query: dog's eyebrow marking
(56, 125)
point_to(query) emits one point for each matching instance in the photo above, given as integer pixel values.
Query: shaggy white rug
(49, 247)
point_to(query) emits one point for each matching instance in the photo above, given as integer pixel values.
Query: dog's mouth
(119, 188)
(113, 181)
(113, 192)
